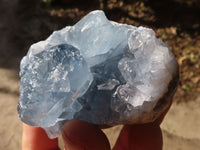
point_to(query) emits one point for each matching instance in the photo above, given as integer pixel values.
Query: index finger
(35, 138)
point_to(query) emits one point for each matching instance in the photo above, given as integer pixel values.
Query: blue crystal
(54, 82)
(99, 71)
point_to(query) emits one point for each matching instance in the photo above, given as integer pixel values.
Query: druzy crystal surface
(99, 71)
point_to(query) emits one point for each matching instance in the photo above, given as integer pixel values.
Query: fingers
(80, 135)
(140, 137)
(35, 138)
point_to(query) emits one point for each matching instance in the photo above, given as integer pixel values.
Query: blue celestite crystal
(99, 71)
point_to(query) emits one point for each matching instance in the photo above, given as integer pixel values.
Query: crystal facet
(99, 71)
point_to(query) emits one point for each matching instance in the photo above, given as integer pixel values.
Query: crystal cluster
(99, 71)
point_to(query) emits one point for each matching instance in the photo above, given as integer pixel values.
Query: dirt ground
(23, 22)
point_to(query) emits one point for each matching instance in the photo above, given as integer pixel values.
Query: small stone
(99, 71)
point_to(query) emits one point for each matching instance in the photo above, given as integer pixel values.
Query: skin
(80, 135)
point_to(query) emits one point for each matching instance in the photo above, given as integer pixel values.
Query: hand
(80, 135)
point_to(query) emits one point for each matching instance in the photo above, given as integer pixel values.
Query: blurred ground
(177, 22)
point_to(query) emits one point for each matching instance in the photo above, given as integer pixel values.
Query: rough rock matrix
(99, 71)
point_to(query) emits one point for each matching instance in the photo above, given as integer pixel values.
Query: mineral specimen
(99, 71)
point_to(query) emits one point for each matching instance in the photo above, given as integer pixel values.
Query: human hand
(80, 135)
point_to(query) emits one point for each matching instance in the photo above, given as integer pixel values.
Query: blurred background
(176, 22)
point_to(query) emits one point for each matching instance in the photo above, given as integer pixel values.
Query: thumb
(80, 135)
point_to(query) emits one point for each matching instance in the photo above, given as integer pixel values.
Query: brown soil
(23, 22)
